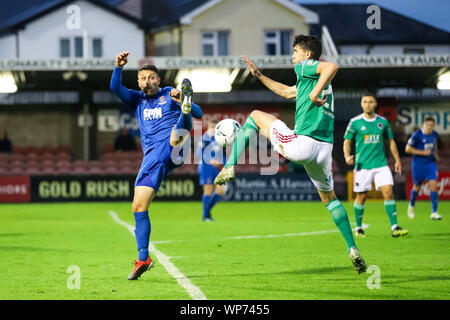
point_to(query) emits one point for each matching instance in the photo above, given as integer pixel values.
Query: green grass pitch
(305, 259)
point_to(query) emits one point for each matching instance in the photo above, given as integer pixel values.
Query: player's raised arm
(277, 87)
(327, 71)
(116, 85)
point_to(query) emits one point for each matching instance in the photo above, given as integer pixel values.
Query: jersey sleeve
(129, 97)
(388, 131)
(350, 131)
(413, 141)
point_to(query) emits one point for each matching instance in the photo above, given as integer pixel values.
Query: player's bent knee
(139, 207)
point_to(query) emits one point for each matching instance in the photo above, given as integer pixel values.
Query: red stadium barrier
(424, 194)
(15, 189)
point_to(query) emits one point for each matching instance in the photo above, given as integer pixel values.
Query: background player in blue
(423, 146)
(212, 157)
(164, 124)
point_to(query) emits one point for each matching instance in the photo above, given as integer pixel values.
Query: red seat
(65, 149)
(111, 170)
(18, 149)
(108, 148)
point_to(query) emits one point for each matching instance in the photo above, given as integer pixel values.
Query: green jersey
(369, 135)
(311, 120)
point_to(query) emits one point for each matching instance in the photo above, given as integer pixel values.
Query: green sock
(359, 212)
(391, 210)
(340, 218)
(241, 141)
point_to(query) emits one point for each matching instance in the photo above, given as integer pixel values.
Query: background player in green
(311, 141)
(369, 130)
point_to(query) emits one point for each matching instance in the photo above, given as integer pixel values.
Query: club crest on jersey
(152, 114)
(380, 125)
(162, 101)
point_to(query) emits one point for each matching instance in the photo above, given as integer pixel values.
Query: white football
(226, 131)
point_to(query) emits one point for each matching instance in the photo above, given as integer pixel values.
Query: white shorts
(314, 155)
(362, 179)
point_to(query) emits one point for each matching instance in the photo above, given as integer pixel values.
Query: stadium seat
(63, 156)
(108, 149)
(78, 170)
(32, 149)
(63, 163)
(49, 149)
(17, 164)
(111, 170)
(16, 171)
(109, 156)
(65, 149)
(32, 171)
(18, 149)
(95, 170)
(48, 156)
(48, 171)
(16, 156)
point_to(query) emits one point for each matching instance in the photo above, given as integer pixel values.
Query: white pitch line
(365, 226)
(182, 280)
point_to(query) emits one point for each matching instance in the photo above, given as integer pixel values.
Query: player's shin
(359, 212)
(340, 218)
(214, 199)
(434, 201)
(391, 210)
(142, 232)
(184, 123)
(413, 197)
(206, 200)
(241, 142)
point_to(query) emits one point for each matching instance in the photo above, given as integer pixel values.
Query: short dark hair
(428, 118)
(150, 67)
(311, 43)
(369, 94)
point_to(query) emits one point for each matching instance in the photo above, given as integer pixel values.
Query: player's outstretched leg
(240, 144)
(340, 218)
(184, 122)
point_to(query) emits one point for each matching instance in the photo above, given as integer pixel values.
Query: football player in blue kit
(423, 146)
(165, 120)
(212, 158)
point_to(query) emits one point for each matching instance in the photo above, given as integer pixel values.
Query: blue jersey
(156, 114)
(421, 141)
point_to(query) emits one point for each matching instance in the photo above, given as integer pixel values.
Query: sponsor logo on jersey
(152, 114)
(371, 138)
(363, 128)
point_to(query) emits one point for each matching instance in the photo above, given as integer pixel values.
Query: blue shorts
(424, 172)
(156, 165)
(207, 173)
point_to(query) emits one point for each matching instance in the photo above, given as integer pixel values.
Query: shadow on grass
(12, 234)
(437, 235)
(317, 271)
(30, 249)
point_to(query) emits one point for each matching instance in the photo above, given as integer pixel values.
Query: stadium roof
(347, 25)
(18, 13)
